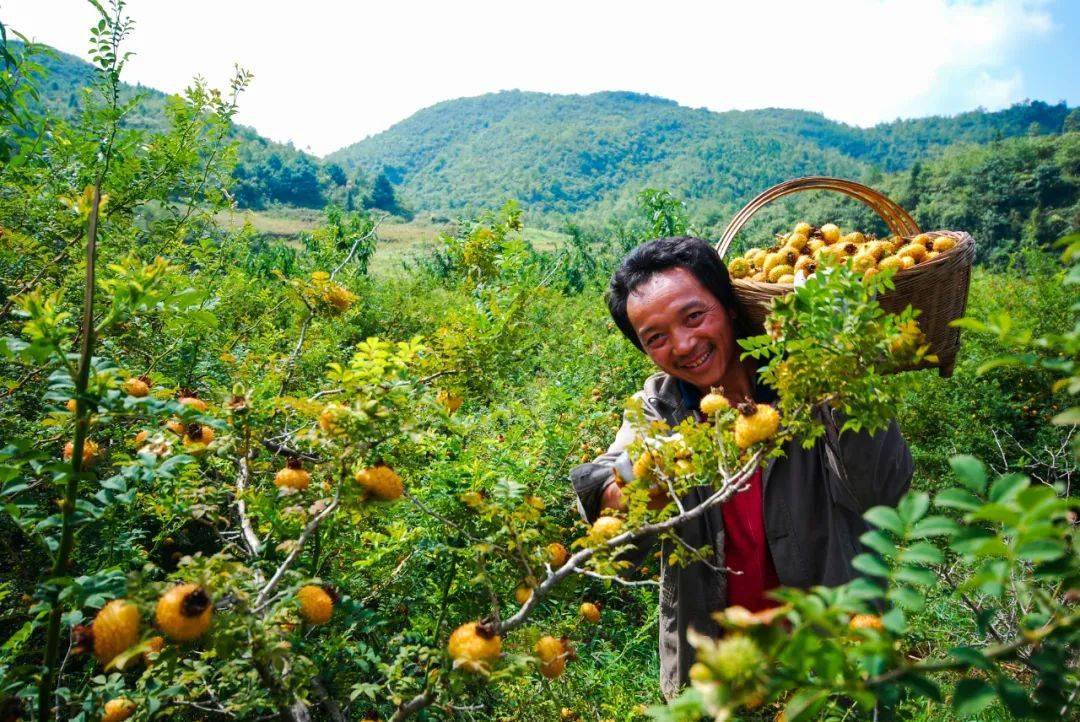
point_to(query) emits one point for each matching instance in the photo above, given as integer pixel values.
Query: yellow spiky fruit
(855, 237)
(778, 271)
(474, 646)
(197, 438)
(908, 262)
(739, 268)
(557, 554)
(755, 423)
(553, 653)
(90, 452)
(925, 240)
(72, 405)
(756, 257)
(116, 629)
(786, 280)
(866, 621)
(759, 276)
(862, 262)
(184, 612)
(522, 594)
(891, 262)
(331, 418)
(193, 401)
(814, 245)
(605, 528)
(316, 604)
(381, 482)
(830, 232)
(736, 658)
(589, 612)
(338, 298)
(713, 403)
(803, 228)
(797, 241)
(450, 402)
(137, 386)
(293, 476)
(915, 251)
(118, 710)
(944, 243)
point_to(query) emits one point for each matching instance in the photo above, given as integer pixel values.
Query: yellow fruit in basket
(778, 271)
(814, 245)
(803, 228)
(797, 241)
(787, 279)
(806, 264)
(931, 255)
(908, 261)
(756, 257)
(862, 262)
(925, 240)
(915, 251)
(771, 261)
(870, 273)
(887, 248)
(853, 237)
(759, 276)
(739, 268)
(874, 249)
(944, 243)
(891, 262)
(830, 232)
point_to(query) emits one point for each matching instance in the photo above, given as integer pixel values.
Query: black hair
(695, 255)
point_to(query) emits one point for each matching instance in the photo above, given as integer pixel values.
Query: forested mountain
(570, 153)
(266, 172)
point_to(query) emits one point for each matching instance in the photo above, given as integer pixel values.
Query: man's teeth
(697, 361)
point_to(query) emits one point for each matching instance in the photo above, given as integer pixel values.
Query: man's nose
(682, 343)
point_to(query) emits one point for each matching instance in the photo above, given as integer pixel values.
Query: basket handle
(895, 217)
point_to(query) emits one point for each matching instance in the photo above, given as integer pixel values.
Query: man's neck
(735, 382)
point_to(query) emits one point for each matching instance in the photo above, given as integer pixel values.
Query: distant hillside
(267, 172)
(567, 154)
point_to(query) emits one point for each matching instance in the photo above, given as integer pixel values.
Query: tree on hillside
(383, 197)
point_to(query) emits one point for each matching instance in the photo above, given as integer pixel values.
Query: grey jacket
(813, 518)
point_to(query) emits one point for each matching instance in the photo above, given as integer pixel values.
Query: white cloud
(329, 73)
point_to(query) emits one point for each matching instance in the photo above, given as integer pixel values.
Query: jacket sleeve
(872, 469)
(589, 479)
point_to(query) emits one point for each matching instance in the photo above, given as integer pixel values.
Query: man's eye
(695, 315)
(653, 340)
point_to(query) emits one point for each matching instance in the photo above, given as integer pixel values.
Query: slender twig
(356, 244)
(243, 476)
(298, 546)
(619, 580)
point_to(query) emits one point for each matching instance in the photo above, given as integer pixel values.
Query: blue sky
(330, 72)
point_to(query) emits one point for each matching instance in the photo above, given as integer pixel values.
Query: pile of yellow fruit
(807, 247)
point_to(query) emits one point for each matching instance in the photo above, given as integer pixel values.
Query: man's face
(685, 330)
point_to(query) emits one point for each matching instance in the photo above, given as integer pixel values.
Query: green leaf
(879, 542)
(1068, 417)
(922, 685)
(998, 513)
(870, 564)
(919, 576)
(895, 620)
(913, 507)
(972, 657)
(970, 471)
(908, 598)
(957, 498)
(1008, 486)
(1041, 550)
(805, 704)
(885, 517)
(972, 696)
(933, 526)
(922, 553)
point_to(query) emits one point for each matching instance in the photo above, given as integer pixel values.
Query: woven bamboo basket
(938, 288)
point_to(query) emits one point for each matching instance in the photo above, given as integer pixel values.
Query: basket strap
(895, 217)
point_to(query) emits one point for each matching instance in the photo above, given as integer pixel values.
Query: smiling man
(798, 522)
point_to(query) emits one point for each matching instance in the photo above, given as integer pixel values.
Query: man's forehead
(663, 293)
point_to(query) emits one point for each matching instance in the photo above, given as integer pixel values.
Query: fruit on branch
(590, 612)
(331, 417)
(137, 386)
(700, 672)
(72, 405)
(522, 594)
(90, 452)
(141, 437)
(713, 403)
(154, 645)
(553, 654)
(316, 604)
(557, 554)
(293, 476)
(381, 482)
(338, 298)
(645, 466)
(118, 710)
(197, 438)
(184, 612)
(605, 528)
(176, 426)
(755, 423)
(735, 659)
(189, 398)
(115, 629)
(474, 645)
(450, 402)
(866, 621)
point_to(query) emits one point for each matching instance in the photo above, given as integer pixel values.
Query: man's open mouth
(698, 361)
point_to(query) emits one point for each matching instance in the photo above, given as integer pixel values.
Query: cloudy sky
(330, 73)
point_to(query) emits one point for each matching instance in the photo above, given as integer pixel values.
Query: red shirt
(746, 549)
